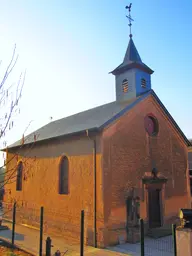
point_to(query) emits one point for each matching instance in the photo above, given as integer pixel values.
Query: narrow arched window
(151, 125)
(64, 176)
(19, 176)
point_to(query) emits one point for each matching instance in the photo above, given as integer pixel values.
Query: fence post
(174, 239)
(142, 237)
(82, 234)
(48, 246)
(41, 232)
(13, 223)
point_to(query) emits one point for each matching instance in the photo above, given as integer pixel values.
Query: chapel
(118, 162)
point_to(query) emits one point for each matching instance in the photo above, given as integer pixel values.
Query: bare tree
(10, 95)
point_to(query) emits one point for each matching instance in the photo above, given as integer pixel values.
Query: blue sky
(69, 46)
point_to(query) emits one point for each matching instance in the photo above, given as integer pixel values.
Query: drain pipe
(95, 189)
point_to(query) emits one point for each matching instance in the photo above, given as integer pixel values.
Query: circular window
(151, 125)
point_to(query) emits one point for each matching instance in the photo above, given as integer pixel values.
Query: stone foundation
(115, 236)
(133, 235)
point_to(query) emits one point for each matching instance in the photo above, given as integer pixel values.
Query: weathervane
(129, 17)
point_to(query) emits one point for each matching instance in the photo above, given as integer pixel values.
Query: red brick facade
(125, 153)
(128, 153)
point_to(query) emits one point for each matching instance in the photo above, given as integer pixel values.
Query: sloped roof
(132, 59)
(93, 119)
(131, 53)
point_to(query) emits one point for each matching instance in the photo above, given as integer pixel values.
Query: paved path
(153, 247)
(28, 239)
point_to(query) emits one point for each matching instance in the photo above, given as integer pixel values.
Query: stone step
(159, 232)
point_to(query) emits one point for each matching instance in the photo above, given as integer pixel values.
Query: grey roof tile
(131, 53)
(89, 119)
(95, 118)
(131, 60)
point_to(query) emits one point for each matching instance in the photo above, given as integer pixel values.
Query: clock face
(150, 125)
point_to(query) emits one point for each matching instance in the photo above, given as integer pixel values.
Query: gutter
(46, 140)
(94, 188)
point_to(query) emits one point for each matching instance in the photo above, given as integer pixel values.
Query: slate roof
(132, 53)
(93, 119)
(131, 60)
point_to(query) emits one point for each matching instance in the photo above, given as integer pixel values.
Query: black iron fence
(164, 246)
(9, 214)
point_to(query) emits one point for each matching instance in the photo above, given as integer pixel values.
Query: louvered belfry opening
(143, 83)
(125, 85)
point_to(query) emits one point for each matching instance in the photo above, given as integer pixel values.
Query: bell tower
(132, 76)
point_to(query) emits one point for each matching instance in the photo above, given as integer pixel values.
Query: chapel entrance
(154, 208)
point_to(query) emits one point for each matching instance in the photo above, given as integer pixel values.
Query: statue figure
(133, 204)
(137, 210)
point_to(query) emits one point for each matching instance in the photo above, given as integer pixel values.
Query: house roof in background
(190, 150)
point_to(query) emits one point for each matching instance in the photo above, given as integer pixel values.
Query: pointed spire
(132, 58)
(131, 53)
(132, 76)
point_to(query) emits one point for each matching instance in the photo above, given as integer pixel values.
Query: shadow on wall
(75, 146)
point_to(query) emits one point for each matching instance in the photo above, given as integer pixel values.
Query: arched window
(125, 86)
(151, 125)
(143, 83)
(19, 176)
(64, 176)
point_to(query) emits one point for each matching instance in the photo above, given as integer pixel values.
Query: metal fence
(45, 245)
(159, 247)
(164, 246)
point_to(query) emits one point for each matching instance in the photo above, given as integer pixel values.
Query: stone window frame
(63, 185)
(19, 177)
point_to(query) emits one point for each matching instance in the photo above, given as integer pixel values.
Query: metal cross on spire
(129, 17)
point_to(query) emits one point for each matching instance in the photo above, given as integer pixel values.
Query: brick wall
(128, 153)
(40, 188)
(123, 156)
